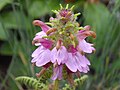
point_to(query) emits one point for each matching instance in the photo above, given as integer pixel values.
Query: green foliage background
(17, 31)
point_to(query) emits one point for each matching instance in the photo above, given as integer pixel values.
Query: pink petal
(80, 59)
(46, 43)
(41, 56)
(86, 47)
(57, 73)
(53, 55)
(60, 72)
(85, 69)
(38, 36)
(40, 41)
(82, 63)
(43, 26)
(59, 55)
(82, 34)
(38, 51)
(70, 63)
(44, 58)
(72, 49)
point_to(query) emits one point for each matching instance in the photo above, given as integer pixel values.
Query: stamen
(55, 64)
(93, 34)
(51, 30)
(58, 45)
(71, 36)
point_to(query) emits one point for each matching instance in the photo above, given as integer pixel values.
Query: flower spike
(63, 44)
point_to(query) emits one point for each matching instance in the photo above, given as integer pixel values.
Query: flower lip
(41, 24)
(38, 23)
(82, 34)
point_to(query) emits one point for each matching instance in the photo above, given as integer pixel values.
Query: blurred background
(17, 32)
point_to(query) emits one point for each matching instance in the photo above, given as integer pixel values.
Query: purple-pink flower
(57, 72)
(60, 56)
(62, 45)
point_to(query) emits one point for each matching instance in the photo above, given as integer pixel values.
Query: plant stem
(56, 85)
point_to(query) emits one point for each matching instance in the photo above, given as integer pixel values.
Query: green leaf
(15, 20)
(2, 33)
(38, 8)
(42, 7)
(5, 49)
(3, 3)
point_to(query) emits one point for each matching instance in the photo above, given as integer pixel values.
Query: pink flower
(38, 39)
(86, 47)
(83, 45)
(76, 61)
(62, 44)
(57, 72)
(59, 56)
(41, 56)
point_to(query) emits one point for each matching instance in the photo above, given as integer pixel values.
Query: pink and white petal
(86, 60)
(80, 68)
(44, 59)
(46, 43)
(55, 73)
(38, 36)
(38, 51)
(83, 60)
(53, 55)
(34, 60)
(80, 59)
(82, 34)
(62, 55)
(86, 47)
(60, 72)
(85, 69)
(37, 44)
(41, 34)
(71, 63)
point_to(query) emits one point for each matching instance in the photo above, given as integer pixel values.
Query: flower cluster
(62, 44)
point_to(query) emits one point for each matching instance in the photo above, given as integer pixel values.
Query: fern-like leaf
(30, 82)
(78, 81)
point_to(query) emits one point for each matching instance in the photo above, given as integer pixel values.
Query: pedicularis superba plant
(61, 48)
